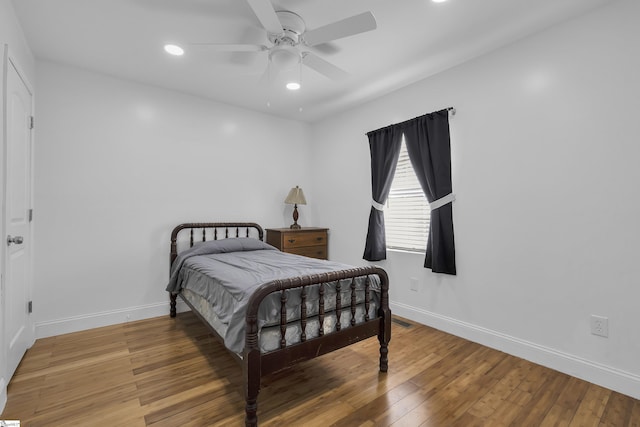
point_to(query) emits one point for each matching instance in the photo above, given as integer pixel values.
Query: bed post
(384, 335)
(251, 371)
(172, 257)
(172, 304)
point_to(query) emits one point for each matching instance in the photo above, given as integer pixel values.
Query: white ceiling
(413, 39)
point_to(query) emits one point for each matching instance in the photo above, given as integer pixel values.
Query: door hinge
(30, 215)
(30, 307)
(31, 122)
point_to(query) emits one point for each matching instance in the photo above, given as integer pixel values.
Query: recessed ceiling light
(174, 49)
(293, 85)
(438, 1)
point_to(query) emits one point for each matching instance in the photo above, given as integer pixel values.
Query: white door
(18, 332)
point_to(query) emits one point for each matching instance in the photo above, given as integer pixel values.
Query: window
(407, 213)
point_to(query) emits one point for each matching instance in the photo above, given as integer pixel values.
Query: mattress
(218, 278)
(269, 336)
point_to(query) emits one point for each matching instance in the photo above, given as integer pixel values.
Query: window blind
(407, 213)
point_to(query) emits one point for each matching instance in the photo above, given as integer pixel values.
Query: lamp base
(295, 225)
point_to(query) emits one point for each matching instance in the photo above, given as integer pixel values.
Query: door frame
(8, 60)
(3, 349)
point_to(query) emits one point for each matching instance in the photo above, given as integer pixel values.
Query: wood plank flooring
(171, 372)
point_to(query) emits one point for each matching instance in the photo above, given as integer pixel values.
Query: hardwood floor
(171, 372)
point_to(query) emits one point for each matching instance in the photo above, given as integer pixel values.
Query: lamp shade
(295, 197)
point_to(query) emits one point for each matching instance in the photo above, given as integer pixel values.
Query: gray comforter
(226, 272)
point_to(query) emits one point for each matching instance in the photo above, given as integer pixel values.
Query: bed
(271, 309)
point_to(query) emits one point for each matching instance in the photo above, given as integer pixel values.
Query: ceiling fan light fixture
(284, 57)
(173, 49)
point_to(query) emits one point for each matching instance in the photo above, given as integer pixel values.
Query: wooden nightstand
(307, 241)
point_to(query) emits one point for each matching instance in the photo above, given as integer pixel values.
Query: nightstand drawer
(295, 240)
(305, 241)
(310, 251)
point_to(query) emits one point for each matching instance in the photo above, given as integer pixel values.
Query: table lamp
(295, 198)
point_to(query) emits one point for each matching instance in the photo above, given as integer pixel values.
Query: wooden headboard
(203, 231)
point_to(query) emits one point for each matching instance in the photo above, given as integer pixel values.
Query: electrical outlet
(414, 284)
(599, 325)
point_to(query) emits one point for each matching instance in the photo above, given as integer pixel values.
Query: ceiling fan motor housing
(293, 27)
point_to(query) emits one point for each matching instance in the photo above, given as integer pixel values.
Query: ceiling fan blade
(221, 47)
(323, 67)
(266, 15)
(346, 27)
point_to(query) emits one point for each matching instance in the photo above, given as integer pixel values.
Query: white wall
(11, 35)
(544, 152)
(118, 165)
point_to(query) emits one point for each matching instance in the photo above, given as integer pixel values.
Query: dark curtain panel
(385, 150)
(429, 148)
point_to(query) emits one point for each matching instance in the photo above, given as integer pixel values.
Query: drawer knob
(319, 239)
(292, 240)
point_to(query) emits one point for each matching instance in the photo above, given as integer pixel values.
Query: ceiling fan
(290, 40)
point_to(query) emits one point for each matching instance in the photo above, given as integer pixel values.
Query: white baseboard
(105, 318)
(596, 373)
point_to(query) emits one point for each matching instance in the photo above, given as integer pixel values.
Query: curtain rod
(451, 110)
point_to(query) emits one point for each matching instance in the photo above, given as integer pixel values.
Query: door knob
(15, 239)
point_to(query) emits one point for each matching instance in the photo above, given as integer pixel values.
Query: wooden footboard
(256, 364)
